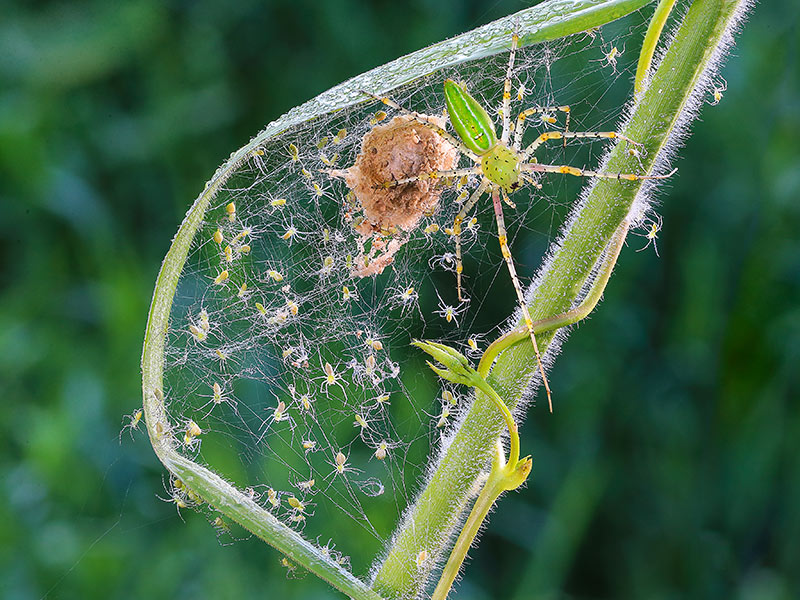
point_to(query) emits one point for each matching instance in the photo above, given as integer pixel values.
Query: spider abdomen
(500, 165)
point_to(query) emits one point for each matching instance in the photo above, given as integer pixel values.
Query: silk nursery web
(289, 366)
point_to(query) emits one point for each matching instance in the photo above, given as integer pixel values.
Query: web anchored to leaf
(288, 360)
(288, 368)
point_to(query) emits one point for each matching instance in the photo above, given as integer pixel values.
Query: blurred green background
(671, 467)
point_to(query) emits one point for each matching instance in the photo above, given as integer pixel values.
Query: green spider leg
(502, 237)
(433, 175)
(557, 135)
(567, 170)
(521, 117)
(462, 214)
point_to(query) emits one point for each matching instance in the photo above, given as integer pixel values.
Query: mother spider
(502, 165)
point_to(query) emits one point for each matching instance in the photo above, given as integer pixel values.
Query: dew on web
(289, 369)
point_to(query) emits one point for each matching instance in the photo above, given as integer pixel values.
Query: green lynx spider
(502, 165)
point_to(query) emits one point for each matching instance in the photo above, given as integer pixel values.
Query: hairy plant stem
(503, 477)
(430, 523)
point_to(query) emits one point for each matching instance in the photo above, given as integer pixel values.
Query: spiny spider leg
(568, 170)
(505, 108)
(432, 175)
(520, 128)
(503, 239)
(450, 138)
(557, 135)
(531, 181)
(507, 200)
(473, 199)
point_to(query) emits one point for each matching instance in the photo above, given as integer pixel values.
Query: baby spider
(273, 497)
(306, 486)
(180, 496)
(382, 450)
(291, 234)
(274, 275)
(202, 321)
(450, 313)
(382, 400)
(305, 402)
(610, 57)
(449, 398)
(348, 294)
(218, 396)
(230, 209)
(132, 424)
(360, 422)
(500, 165)
(405, 296)
(191, 437)
(373, 343)
(473, 346)
(299, 511)
(653, 227)
(276, 415)
(331, 377)
(291, 568)
(198, 333)
(371, 370)
(716, 93)
(447, 261)
(382, 447)
(444, 416)
(222, 357)
(179, 500)
(340, 465)
(279, 413)
(221, 526)
(222, 277)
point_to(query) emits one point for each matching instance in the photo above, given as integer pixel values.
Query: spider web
(293, 368)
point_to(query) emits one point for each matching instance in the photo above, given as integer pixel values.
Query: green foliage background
(671, 466)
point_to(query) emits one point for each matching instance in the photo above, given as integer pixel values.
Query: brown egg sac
(400, 149)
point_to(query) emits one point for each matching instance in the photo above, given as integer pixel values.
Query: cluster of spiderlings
(289, 369)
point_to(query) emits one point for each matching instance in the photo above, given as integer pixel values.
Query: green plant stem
(431, 520)
(503, 476)
(650, 42)
(513, 431)
(489, 494)
(452, 366)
